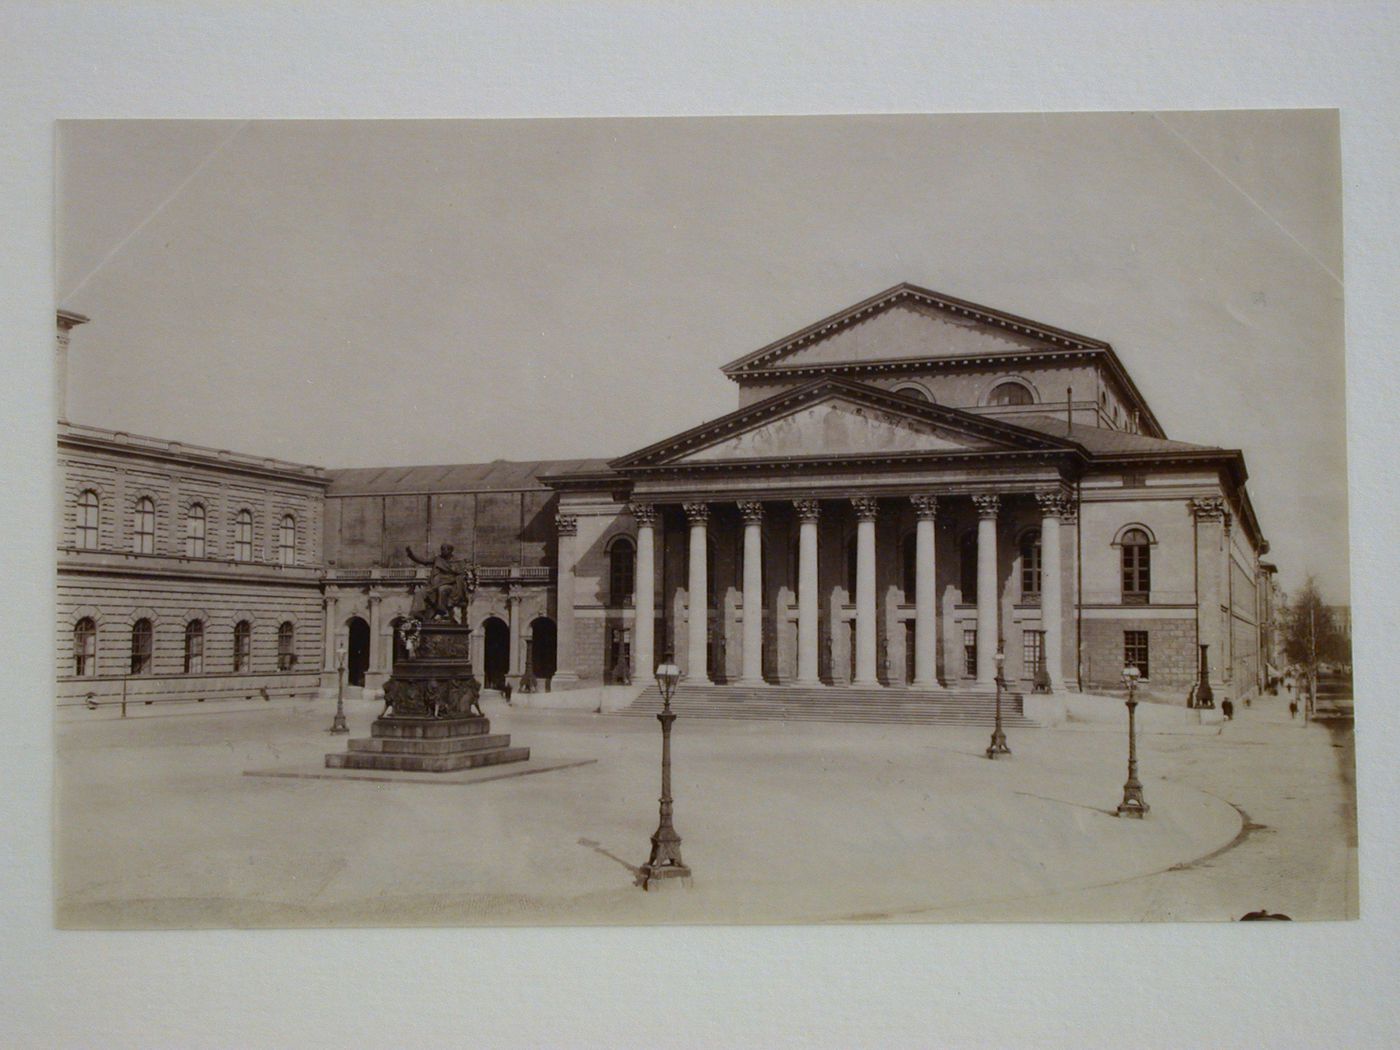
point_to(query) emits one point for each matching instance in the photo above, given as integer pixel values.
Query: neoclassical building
(904, 489)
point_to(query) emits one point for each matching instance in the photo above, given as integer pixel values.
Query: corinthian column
(644, 598)
(698, 613)
(566, 528)
(752, 671)
(987, 507)
(1052, 509)
(925, 594)
(808, 513)
(865, 508)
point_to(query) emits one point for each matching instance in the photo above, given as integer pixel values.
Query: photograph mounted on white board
(707, 520)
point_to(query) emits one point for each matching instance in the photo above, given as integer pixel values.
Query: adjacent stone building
(904, 489)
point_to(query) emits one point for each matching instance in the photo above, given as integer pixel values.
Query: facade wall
(115, 583)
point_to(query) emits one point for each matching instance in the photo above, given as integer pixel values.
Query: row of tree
(1310, 633)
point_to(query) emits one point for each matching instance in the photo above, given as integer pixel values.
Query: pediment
(908, 323)
(836, 419)
(836, 427)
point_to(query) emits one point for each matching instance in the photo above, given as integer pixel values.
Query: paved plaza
(172, 819)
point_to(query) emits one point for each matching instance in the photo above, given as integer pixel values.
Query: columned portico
(644, 597)
(866, 509)
(1052, 508)
(987, 598)
(808, 514)
(752, 667)
(566, 527)
(698, 604)
(925, 593)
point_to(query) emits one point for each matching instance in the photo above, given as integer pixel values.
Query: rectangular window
(970, 653)
(1032, 653)
(1135, 651)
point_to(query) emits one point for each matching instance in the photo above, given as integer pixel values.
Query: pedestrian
(1227, 709)
(1293, 708)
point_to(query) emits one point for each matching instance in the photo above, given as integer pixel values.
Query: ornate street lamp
(998, 744)
(338, 725)
(665, 861)
(1132, 804)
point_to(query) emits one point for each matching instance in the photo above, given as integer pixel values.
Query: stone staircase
(894, 705)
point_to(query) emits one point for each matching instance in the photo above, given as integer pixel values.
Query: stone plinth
(423, 745)
(432, 729)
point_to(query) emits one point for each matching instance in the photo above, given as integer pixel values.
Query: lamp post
(338, 725)
(998, 744)
(665, 861)
(1133, 804)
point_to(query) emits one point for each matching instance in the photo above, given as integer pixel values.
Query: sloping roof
(1102, 440)
(497, 476)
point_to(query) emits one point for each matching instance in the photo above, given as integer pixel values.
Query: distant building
(905, 487)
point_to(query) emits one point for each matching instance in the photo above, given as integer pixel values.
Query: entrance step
(975, 707)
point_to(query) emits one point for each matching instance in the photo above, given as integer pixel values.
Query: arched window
(194, 647)
(142, 646)
(144, 536)
(967, 566)
(242, 646)
(910, 553)
(794, 566)
(915, 392)
(85, 647)
(243, 536)
(287, 541)
(1030, 566)
(286, 646)
(710, 559)
(1010, 394)
(852, 566)
(195, 520)
(1137, 567)
(86, 531)
(622, 565)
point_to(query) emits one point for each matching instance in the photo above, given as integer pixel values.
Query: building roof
(1103, 440)
(497, 476)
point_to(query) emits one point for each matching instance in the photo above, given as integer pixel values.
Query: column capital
(866, 507)
(926, 507)
(644, 514)
(987, 505)
(697, 513)
(807, 509)
(1208, 508)
(374, 599)
(514, 593)
(752, 511)
(566, 524)
(1053, 504)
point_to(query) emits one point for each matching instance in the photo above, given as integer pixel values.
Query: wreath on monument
(411, 632)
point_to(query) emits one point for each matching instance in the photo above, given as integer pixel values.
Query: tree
(1310, 634)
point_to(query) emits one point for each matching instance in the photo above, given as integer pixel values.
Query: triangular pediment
(835, 419)
(908, 323)
(837, 426)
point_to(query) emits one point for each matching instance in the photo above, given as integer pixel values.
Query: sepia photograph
(780, 520)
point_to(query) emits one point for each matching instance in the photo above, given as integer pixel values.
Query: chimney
(67, 321)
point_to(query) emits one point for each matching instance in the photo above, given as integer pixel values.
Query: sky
(376, 293)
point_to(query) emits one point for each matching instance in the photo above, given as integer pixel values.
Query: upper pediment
(908, 323)
(836, 420)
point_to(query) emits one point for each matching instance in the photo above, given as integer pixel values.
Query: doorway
(543, 640)
(357, 660)
(496, 655)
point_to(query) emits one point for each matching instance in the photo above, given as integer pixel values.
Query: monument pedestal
(432, 695)
(429, 745)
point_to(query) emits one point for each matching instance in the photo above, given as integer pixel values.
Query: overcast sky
(359, 294)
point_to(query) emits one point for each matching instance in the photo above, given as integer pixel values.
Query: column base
(932, 683)
(750, 681)
(559, 678)
(867, 683)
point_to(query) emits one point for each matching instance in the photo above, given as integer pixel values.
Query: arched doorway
(357, 660)
(495, 658)
(540, 655)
